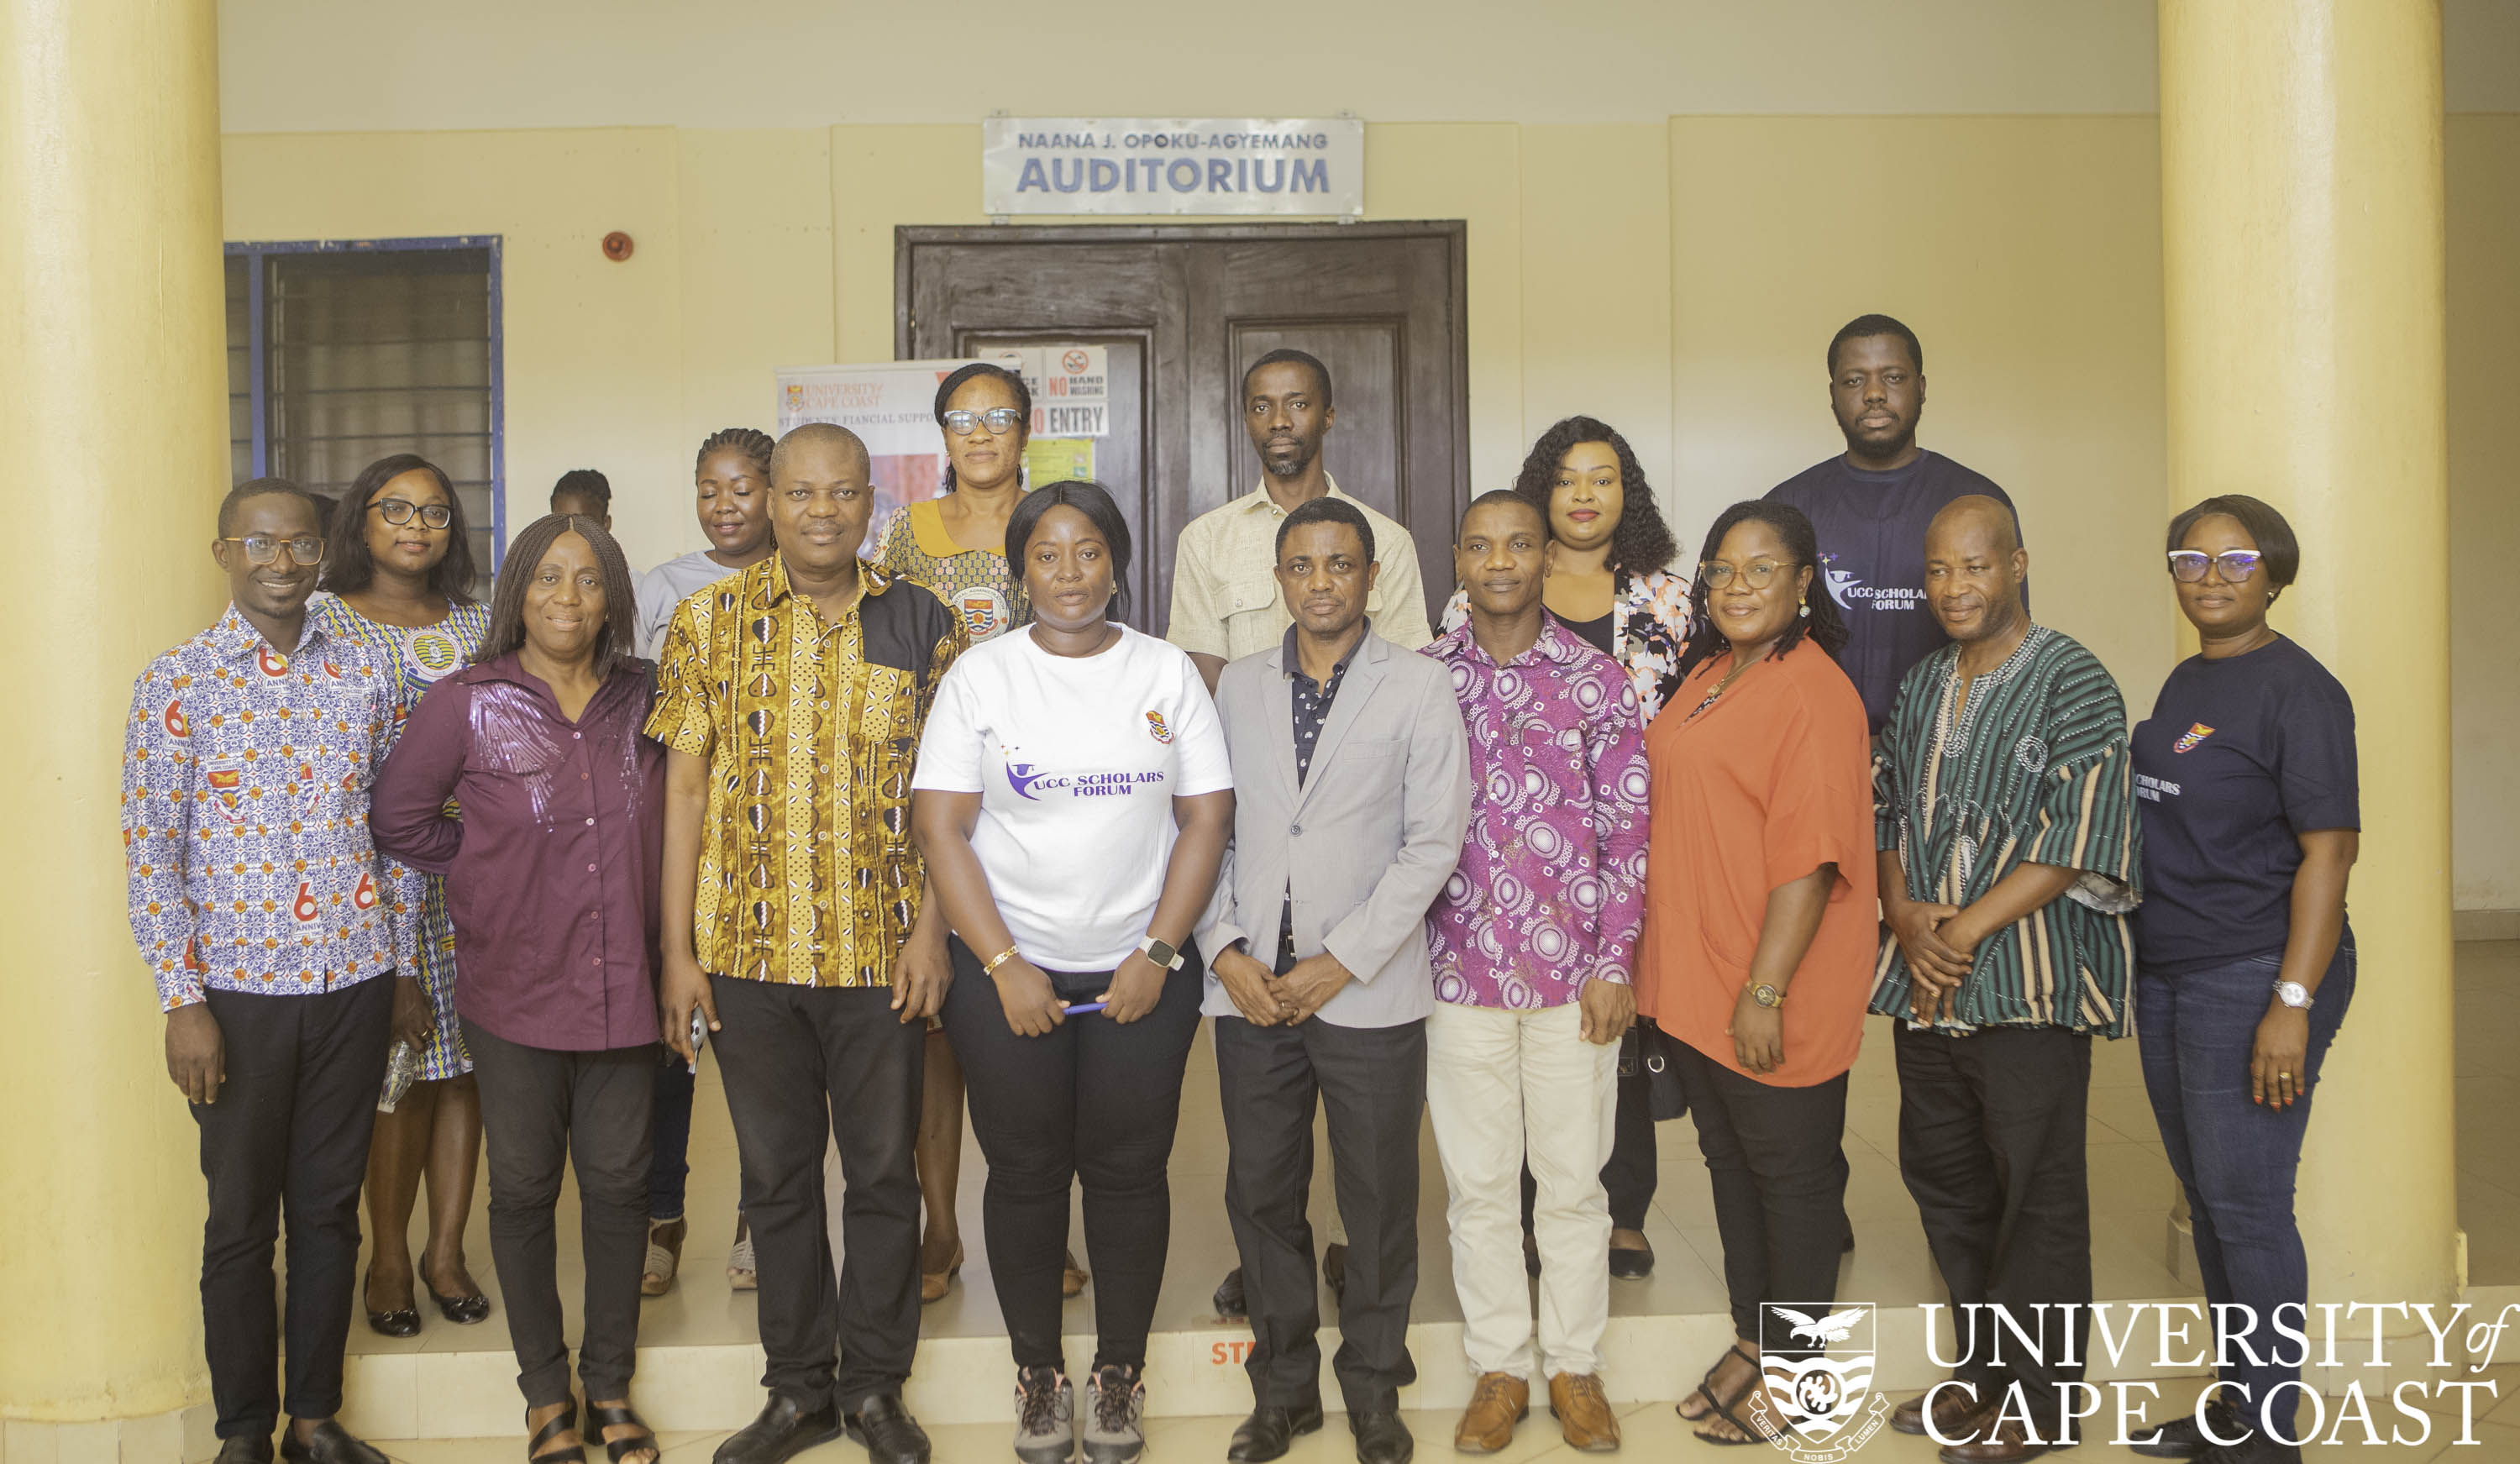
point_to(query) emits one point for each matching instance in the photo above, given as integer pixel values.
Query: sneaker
(1045, 1416)
(664, 1256)
(739, 1271)
(1116, 1411)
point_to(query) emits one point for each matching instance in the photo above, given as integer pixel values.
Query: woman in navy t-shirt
(2246, 779)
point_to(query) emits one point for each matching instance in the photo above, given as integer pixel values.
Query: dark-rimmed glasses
(264, 549)
(399, 510)
(1001, 419)
(2188, 565)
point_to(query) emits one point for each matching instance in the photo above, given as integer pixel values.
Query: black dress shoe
(404, 1323)
(888, 1432)
(782, 1430)
(463, 1310)
(1230, 1300)
(2180, 1439)
(1270, 1432)
(245, 1448)
(1335, 1270)
(1381, 1438)
(331, 1443)
(1629, 1264)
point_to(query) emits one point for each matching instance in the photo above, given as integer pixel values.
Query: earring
(1805, 611)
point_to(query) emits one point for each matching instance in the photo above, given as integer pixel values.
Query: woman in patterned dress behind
(398, 569)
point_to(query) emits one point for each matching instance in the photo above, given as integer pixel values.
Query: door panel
(1382, 305)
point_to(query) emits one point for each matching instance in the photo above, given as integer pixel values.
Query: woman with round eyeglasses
(954, 546)
(398, 579)
(2246, 779)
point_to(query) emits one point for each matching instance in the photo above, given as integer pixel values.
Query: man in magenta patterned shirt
(1531, 944)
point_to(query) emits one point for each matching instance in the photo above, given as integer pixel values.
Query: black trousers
(1372, 1081)
(1635, 1167)
(291, 1127)
(1093, 1102)
(543, 1110)
(1991, 1140)
(804, 1066)
(1777, 1160)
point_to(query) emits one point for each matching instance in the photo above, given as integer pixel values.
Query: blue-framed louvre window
(340, 353)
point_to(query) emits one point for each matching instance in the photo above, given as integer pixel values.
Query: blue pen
(1082, 1007)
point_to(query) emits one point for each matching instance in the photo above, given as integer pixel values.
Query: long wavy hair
(614, 643)
(1642, 543)
(1825, 627)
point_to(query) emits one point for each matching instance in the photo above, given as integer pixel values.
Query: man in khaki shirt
(1226, 604)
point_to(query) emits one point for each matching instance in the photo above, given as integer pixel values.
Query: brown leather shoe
(1498, 1402)
(2008, 1442)
(1583, 1413)
(1955, 1411)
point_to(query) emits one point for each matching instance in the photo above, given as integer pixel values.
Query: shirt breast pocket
(1249, 587)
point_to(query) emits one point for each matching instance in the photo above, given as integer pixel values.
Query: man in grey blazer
(1352, 792)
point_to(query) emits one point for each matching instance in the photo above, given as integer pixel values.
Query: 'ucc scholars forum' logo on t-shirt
(1028, 783)
(1846, 588)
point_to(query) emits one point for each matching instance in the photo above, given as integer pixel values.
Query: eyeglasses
(2188, 565)
(1717, 574)
(264, 549)
(399, 512)
(1000, 419)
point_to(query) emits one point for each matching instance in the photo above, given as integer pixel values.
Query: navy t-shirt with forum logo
(1872, 530)
(2239, 758)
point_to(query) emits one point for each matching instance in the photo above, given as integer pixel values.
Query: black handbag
(1656, 1055)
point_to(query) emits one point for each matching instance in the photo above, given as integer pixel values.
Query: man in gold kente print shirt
(791, 698)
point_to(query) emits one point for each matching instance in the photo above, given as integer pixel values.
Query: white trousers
(1501, 1085)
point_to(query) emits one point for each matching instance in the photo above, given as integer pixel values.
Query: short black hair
(1089, 499)
(256, 488)
(1876, 325)
(1504, 495)
(585, 483)
(1290, 356)
(347, 565)
(1327, 509)
(2272, 531)
(616, 642)
(1642, 543)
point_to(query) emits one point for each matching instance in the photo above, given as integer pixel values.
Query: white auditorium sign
(1310, 166)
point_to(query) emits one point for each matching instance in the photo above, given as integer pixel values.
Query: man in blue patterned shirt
(269, 920)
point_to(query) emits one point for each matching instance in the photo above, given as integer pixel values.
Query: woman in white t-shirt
(1074, 802)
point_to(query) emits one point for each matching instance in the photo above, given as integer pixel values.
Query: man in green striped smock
(2007, 837)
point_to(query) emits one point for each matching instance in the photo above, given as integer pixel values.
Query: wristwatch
(2293, 994)
(1161, 955)
(1767, 996)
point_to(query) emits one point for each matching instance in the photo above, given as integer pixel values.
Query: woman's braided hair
(754, 443)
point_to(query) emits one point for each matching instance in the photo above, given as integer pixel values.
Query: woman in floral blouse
(1610, 582)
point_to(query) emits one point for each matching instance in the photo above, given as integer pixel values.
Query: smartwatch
(1163, 955)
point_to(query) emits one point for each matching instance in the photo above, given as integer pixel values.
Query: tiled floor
(2132, 1191)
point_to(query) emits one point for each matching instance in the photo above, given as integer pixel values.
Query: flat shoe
(1071, 1277)
(463, 1310)
(933, 1284)
(1632, 1263)
(402, 1323)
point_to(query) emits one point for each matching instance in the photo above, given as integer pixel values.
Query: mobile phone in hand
(699, 1038)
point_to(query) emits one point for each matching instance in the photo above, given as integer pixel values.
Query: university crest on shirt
(2197, 731)
(1156, 728)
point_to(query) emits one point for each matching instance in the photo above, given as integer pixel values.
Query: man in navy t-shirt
(1871, 505)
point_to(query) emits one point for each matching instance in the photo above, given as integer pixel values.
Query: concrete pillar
(2301, 175)
(114, 406)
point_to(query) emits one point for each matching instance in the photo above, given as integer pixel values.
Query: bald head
(819, 437)
(1974, 570)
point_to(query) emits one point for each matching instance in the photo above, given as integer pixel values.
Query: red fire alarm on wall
(617, 247)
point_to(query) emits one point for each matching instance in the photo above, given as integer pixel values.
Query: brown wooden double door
(1184, 310)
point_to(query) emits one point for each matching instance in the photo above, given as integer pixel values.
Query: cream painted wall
(1679, 279)
(2482, 181)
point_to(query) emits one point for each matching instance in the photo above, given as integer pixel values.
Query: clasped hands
(1940, 945)
(1268, 999)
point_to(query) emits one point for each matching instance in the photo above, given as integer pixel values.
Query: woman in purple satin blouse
(551, 876)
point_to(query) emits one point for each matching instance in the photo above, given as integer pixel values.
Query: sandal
(562, 1422)
(1724, 1410)
(1708, 1381)
(625, 1416)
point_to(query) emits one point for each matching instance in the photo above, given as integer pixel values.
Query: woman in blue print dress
(399, 572)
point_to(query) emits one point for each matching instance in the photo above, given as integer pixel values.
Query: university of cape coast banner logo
(1820, 1401)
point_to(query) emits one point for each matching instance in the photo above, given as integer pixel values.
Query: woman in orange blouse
(1760, 886)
